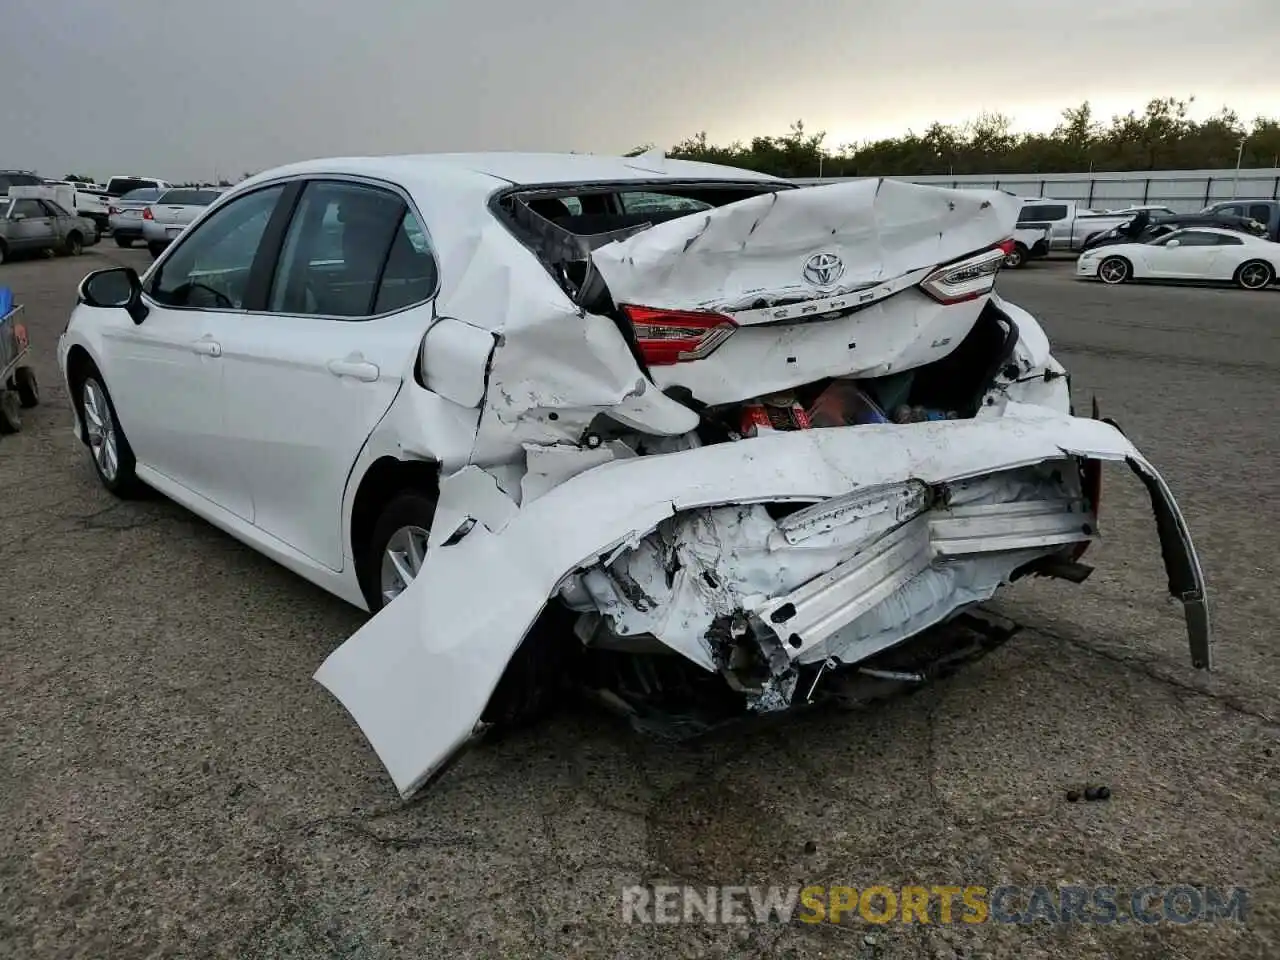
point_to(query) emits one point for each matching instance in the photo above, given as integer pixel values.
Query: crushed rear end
(879, 442)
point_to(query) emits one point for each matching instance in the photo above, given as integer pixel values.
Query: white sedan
(1196, 253)
(639, 422)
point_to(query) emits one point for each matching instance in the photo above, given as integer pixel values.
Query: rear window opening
(563, 224)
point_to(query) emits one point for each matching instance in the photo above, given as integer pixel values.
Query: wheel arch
(80, 364)
(383, 479)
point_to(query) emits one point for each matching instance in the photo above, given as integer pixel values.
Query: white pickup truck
(88, 200)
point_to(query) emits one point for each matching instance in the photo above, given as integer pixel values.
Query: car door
(309, 377)
(30, 226)
(166, 373)
(1183, 255)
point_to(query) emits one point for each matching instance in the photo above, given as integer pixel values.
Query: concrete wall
(1185, 191)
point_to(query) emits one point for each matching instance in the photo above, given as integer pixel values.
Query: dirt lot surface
(174, 784)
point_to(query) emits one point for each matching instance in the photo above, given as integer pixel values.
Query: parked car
(550, 437)
(17, 178)
(34, 225)
(1029, 243)
(125, 214)
(119, 186)
(86, 200)
(1202, 253)
(1135, 232)
(1265, 212)
(1070, 224)
(165, 217)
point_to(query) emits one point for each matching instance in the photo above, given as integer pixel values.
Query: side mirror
(1173, 243)
(18, 216)
(117, 287)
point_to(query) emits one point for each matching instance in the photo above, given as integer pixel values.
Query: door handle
(357, 369)
(207, 348)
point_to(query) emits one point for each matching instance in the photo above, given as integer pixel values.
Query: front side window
(30, 209)
(1260, 211)
(1194, 238)
(352, 250)
(210, 267)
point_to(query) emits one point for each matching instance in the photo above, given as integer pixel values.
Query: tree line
(1161, 137)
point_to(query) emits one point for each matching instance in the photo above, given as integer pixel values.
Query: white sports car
(1196, 253)
(705, 442)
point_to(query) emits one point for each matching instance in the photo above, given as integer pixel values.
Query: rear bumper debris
(899, 527)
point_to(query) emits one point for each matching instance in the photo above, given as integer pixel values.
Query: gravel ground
(172, 782)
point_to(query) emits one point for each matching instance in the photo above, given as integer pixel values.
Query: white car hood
(418, 675)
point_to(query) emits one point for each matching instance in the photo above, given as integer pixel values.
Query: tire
(24, 384)
(125, 242)
(155, 249)
(10, 412)
(407, 509)
(122, 481)
(1017, 259)
(75, 244)
(1255, 275)
(1115, 270)
(526, 691)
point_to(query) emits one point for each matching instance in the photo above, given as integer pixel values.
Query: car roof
(1208, 229)
(521, 169)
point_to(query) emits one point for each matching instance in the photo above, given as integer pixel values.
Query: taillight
(969, 278)
(674, 336)
(146, 214)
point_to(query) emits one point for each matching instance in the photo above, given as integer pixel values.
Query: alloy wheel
(101, 428)
(402, 560)
(1113, 271)
(1254, 276)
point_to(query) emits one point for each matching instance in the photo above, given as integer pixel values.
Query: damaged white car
(702, 440)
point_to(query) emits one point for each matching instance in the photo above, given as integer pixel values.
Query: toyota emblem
(823, 269)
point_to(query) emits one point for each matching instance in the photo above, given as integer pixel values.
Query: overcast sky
(186, 88)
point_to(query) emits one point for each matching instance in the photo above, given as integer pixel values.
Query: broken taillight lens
(675, 336)
(969, 278)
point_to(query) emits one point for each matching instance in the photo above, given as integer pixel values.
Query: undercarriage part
(666, 697)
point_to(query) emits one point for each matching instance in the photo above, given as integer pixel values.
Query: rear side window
(351, 251)
(197, 198)
(643, 201)
(118, 186)
(1042, 211)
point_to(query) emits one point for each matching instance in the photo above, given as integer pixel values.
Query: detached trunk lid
(856, 278)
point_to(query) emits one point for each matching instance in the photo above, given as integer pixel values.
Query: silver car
(169, 215)
(124, 215)
(33, 225)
